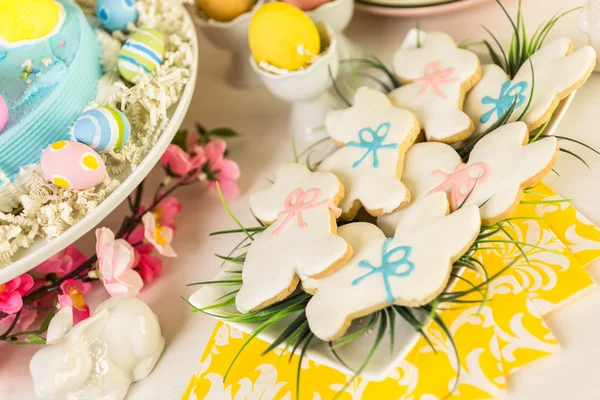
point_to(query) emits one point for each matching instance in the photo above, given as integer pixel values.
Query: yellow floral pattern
(550, 275)
(494, 339)
(576, 231)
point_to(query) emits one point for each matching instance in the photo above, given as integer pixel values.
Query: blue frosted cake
(49, 66)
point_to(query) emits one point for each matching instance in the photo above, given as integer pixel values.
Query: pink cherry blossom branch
(129, 223)
(202, 160)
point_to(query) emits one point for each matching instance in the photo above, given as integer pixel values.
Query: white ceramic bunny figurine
(589, 22)
(101, 356)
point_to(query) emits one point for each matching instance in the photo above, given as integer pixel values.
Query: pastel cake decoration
(27, 22)
(374, 136)
(501, 165)
(301, 241)
(436, 76)
(410, 269)
(558, 72)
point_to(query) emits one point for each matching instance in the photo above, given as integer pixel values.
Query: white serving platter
(385, 360)
(42, 249)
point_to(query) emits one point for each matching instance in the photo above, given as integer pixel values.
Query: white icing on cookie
(411, 269)
(500, 167)
(374, 136)
(300, 243)
(436, 75)
(557, 72)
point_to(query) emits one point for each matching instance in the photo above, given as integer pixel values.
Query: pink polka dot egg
(72, 165)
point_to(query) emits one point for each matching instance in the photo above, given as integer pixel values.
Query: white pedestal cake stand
(42, 249)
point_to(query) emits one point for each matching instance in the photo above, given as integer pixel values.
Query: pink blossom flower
(73, 291)
(116, 260)
(164, 212)
(62, 263)
(12, 292)
(219, 169)
(148, 265)
(26, 318)
(160, 236)
(179, 162)
(191, 142)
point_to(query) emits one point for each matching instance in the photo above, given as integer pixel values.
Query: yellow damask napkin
(550, 274)
(504, 335)
(272, 377)
(577, 232)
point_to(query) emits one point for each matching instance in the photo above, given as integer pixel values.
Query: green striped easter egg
(142, 52)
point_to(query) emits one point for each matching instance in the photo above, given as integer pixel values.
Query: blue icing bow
(508, 95)
(375, 144)
(388, 268)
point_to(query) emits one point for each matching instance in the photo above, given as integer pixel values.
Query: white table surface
(573, 373)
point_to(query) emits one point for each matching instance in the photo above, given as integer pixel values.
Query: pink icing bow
(461, 183)
(299, 201)
(434, 76)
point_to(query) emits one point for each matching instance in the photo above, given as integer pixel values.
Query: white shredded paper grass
(44, 210)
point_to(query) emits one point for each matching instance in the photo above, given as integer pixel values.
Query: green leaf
(350, 337)
(495, 59)
(180, 139)
(295, 325)
(294, 151)
(569, 152)
(380, 333)
(312, 146)
(222, 132)
(43, 327)
(231, 213)
(387, 71)
(337, 89)
(299, 368)
(578, 142)
(253, 229)
(35, 339)
(530, 93)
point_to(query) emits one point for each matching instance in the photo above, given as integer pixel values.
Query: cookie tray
(384, 361)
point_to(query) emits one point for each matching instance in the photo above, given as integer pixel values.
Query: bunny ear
(89, 329)
(60, 325)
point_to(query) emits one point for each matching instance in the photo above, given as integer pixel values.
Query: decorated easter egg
(3, 113)
(72, 165)
(225, 10)
(114, 15)
(142, 52)
(28, 20)
(102, 128)
(283, 36)
(306, 5)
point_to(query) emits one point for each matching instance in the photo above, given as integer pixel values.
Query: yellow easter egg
(283, 36)
(28, 20)
(225, 10)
